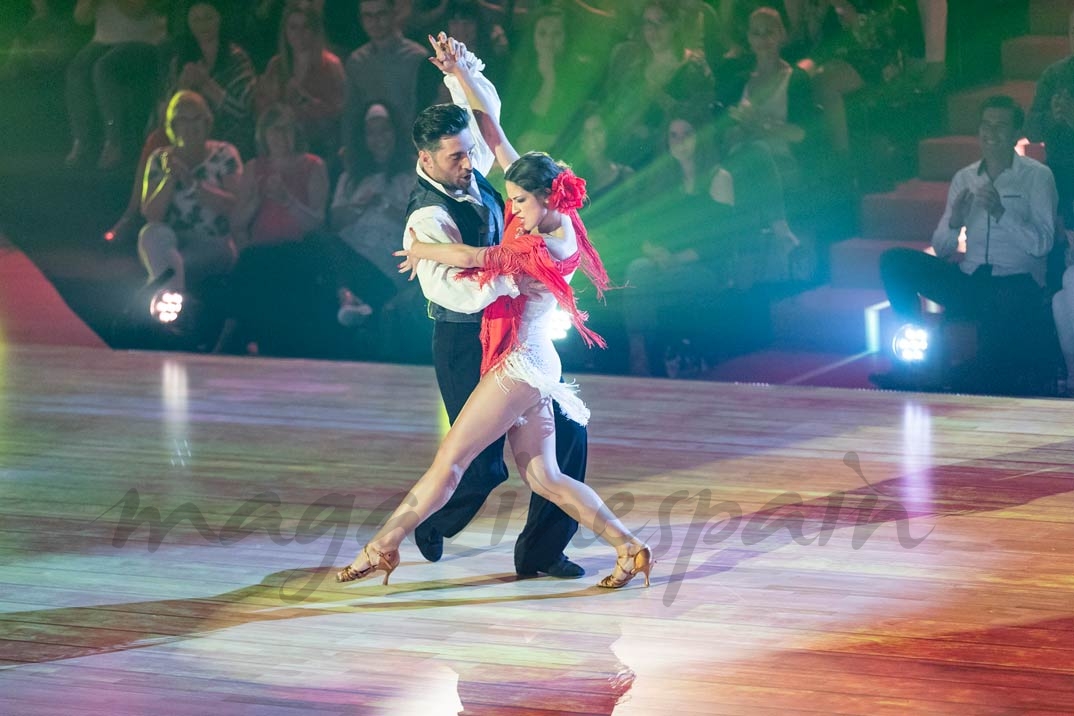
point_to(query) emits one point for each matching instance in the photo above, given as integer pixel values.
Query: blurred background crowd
(256, 154)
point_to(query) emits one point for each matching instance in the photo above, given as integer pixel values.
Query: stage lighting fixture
(166, 306)
(910, 344)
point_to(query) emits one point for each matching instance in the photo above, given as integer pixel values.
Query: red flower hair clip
(568, 192)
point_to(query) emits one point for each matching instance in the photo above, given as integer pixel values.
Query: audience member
(772, 99)
(470, 23)
(652, 79)
(1006, 203)
(308, 78)
(259, 27)
(281, 199)
(1051, 120)
(205, 58)
(425, 17)
(208, 62)
(684, 258)
(736, 13)
(189, 192)
(602, 173)
(610, 185)
(284, 190)
(368, 213)
(768, 123)
(117, 72)
(42, 46)
(389, 68)
(549, 80)
(846, 45)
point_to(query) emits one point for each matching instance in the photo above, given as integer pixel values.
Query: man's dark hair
(436, 122)
(1002, 101)
(534, 172)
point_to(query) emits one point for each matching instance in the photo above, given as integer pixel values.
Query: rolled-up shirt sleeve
(439, 282)
(1037, 230)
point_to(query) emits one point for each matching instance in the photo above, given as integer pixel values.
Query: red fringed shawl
(526, 255)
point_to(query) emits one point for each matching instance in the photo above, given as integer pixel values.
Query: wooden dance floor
(170, 525)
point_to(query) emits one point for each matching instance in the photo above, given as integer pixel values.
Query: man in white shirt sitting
(1007, 205)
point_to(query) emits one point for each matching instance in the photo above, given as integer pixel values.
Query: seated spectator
(550, 78)
(368, 213)
(848, 45)
(42, 46)
(308, 78)
(389, 69)
(208, 62)
(651, 80)
(469, 22)
(602, 174)
(684, 254)
(610, 185)
(773, 103)
(764, 130)
(120, 64)
(1007, 205)
(1051, 120)
(281, 200)
(259, 27)
(735, 14)
(478, 20)
(189, 192)
(284, 190)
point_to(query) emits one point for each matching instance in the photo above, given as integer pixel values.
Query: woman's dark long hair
(286, 54)
(358, 162)
(534, 172)
(186, 47)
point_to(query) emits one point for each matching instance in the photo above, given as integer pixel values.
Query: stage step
(1049, 17)
(1026, 57)
(855, 262)
(938, 158)
(908, 213)
(826, 319)
(31, 311)
(963, 108)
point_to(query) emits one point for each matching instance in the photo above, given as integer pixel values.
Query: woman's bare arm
(457, 255)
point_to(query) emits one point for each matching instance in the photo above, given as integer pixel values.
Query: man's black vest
(478, 225)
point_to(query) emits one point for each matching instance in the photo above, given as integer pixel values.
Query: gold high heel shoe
(386, 561)
(641, 561)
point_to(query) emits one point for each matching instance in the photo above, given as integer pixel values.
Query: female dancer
(544, 243)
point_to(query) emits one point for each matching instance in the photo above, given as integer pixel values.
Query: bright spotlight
(911, 343)
(166, 306)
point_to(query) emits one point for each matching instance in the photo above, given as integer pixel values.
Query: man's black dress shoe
(430, 543)
(562, 568)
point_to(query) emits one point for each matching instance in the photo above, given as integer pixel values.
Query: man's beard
(462, 184)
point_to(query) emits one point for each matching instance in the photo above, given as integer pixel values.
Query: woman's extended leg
(489, 413)
(533, 444)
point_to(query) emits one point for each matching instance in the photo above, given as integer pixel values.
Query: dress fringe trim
(519, 365)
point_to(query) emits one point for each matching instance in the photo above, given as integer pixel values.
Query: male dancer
(453, 202)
